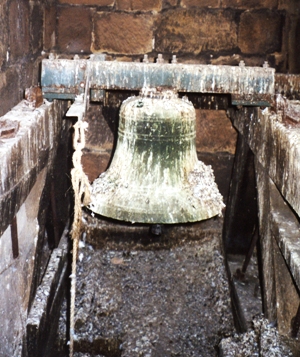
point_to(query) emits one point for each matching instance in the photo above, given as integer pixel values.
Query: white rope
(81, 189)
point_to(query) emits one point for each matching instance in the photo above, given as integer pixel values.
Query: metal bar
(247, 85)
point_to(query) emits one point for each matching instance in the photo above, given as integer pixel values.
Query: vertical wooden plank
(266, 243)
(241, 210)
(287, 298)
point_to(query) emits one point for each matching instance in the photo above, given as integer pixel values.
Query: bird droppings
(171, 301)
(162, 299)
(262, 340)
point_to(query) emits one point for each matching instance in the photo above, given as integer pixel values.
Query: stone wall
(21, 45)
(207, 32)
(216, 32)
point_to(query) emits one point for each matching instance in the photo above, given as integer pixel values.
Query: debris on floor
(247, 287)
(262, 340)
(151, 302)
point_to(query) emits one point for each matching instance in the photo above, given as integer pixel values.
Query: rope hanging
(81, 189)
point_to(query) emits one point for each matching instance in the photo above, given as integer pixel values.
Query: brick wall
(21, 44)
(203, 31)
(197, 31)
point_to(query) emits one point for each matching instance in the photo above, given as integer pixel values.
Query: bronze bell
(155, 175)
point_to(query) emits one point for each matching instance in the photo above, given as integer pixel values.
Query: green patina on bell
(155, 175)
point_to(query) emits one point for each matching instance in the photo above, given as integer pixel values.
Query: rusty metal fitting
(160, 58)
(8, 128)
(33, 97)
(98, 57)
(145, 59)
(174, 59)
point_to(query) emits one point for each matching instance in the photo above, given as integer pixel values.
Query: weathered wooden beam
(26, 153)
(266, 242)
(43, 317)
(276, 146)
(280, 233)
(288, 85)
(63, 78)
(240, 216)
(285, 229)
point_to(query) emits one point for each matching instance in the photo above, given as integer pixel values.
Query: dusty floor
(154, 301)
(247, 286)
(163, 296)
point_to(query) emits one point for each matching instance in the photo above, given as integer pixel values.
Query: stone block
(49, 27)
(260, 32)
(74, 29)
(170, 2)
(9, 81)
(215, 132)
(18, 23)
(29, 75)
(88, 2)
(199, 3)
(250, 4)
(295, 48)
(290, 6)
(123, 33)
(194, 31)
(94, 163)
(139, 5)
(3, 35)
(36, 27)
(99, 135)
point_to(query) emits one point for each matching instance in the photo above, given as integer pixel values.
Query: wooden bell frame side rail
(275, 142)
